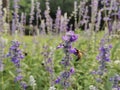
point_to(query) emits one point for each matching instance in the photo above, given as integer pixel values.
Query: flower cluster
(65, 75)
(116, 80)
(103, 57)
(48, 63)
(104, 54)
(16, 56)
(70, 37)
(15, 53)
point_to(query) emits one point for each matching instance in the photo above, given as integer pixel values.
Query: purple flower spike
(65, 75)
(103, 57)
(16, 56)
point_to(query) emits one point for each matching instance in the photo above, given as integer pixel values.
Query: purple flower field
(59, 44)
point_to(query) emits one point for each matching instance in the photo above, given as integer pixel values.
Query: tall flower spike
(65, 75)
(15, 17)
(103, 57)
(48, 63)
(58, 20)
(32, 12)
(16, 56)
(38, 16)
(1, 17)
(2, 46)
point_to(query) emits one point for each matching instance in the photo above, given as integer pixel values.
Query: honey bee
(79, 54)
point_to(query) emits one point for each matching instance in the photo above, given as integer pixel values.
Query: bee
(25, 53)
(79, 54)
(43, 63)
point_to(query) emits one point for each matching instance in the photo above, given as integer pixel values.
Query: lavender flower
(104, 54)
(86, 18)
(15, 53)
(32, 12)
(115, 80)
(49, 21)
(16, 56)
(57, 80)
(15, 16)
(58, 20)
(13, 26)
(19, 77)
(3, 42)
(75, 13)
(72, 70)
(64, 78)
(94, 10)
(110, 27)
(23, 85)
(1, 17)
(98, 21)
(81, 12)
(103, 57)
(22, 23)
(38, 16)
(64, 23)
(1, 66)
(48, 63)
(70, 37)
(42, 27)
